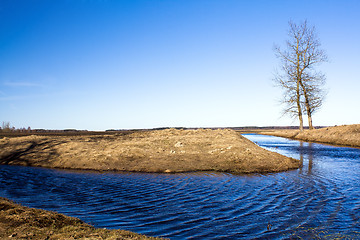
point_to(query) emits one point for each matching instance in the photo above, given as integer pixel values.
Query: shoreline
(345, 135)
(20, 222)
(156, 151)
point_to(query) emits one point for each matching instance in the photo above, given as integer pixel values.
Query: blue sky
(119, 64)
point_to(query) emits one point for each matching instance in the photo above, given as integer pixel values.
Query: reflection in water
(322, 195)
(306, 151)
(310, 157)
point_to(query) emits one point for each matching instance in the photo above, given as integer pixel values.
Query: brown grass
(19, 222)
(167, 150)
(346, 135)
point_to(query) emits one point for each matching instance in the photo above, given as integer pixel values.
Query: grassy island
(165, 151)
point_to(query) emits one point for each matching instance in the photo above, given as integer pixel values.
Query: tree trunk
(307, 104)
(298, 96)
(299, 110)
(310, 121)
(301, 126)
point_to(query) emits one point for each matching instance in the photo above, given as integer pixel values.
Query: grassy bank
(166, 151)
(346, 135)
(19, 222)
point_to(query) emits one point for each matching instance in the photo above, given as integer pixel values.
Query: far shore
(157, 151)
(345, 135)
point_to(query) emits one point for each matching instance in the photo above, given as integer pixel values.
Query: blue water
(320, 199)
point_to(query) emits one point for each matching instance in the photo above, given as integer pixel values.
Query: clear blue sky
(102, 64)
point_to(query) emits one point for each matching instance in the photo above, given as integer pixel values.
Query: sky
(131, 64)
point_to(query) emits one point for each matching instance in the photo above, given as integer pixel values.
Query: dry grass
(19, 222)
(346, 135)
(167, 150)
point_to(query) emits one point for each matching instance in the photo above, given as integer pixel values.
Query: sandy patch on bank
(146, 151)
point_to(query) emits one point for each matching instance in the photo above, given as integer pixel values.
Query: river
(320, 199)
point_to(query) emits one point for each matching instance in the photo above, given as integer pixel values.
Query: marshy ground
(166, 151)
(140, 151)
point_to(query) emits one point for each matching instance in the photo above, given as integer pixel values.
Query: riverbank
(167, 151)
(345, 135)
(19, 222)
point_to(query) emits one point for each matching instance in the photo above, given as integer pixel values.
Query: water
(320, 199)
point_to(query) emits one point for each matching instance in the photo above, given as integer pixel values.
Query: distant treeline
(233, 128)
(8, 131)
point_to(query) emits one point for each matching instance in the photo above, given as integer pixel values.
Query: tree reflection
(310, 157)
(306, 151)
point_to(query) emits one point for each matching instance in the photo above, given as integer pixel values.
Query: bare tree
(291, 96)
(6, 127)
(302, 84)
(314, 94)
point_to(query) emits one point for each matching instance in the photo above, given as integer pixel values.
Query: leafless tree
(302, 84)
(6, 127)
(292, 95)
